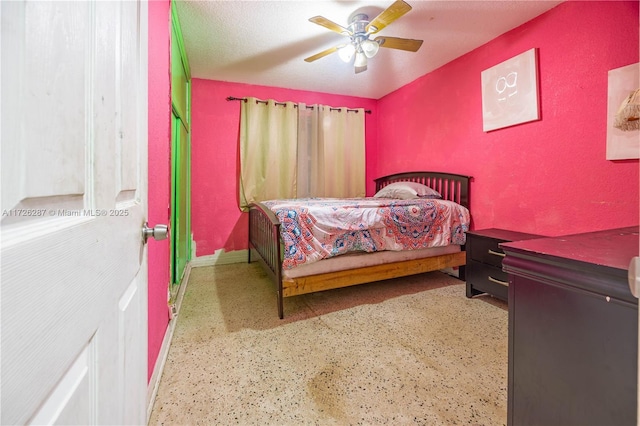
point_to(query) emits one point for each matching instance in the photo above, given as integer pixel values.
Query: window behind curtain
(323, 157)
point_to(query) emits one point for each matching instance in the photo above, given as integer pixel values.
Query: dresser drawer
(486, 250)
(488, 279)
(486, 273)
(484, 261)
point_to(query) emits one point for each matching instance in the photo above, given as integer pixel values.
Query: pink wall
(550, 176)
(159, 173)
(216, 219)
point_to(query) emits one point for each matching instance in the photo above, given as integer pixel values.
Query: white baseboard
(220, 257)
(154, 382)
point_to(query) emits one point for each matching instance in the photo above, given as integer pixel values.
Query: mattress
(318, 229)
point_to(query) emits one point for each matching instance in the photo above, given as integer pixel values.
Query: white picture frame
(621, 145)
(510, 92)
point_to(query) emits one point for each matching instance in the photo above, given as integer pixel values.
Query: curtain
(289, 152)
(268, 145)
(331, 152)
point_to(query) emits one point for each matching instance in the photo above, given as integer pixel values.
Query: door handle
(158, 232)
(496, 253)
(497, 281)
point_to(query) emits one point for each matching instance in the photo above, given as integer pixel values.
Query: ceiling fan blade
(322, 54)
(399, 43)
(387, 16)
(358, 70)
(320, 20)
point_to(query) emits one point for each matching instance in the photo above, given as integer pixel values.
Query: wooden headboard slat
(451, 186)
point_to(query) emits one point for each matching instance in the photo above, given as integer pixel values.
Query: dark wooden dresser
(573, 330)
(483, 271)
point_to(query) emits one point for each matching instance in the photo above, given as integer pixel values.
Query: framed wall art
(621, 144)
(510, 92)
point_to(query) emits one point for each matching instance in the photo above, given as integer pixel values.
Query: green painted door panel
(180, 199)
(183, 202)
(180, 154)
(179, 83)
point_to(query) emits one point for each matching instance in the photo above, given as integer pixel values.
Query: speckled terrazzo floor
(413, 350)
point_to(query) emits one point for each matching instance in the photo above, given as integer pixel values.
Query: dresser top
(613, 248)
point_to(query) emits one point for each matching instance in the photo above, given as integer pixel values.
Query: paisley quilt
(318, 228)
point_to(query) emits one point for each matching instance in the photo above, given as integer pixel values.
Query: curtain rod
(231, 98)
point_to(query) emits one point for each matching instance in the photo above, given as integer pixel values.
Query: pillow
(407, 191)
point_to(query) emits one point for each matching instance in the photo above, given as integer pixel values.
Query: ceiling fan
(360, 45)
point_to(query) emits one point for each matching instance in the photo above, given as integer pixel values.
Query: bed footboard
(264, 238)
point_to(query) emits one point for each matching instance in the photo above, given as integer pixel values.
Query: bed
(270, 243)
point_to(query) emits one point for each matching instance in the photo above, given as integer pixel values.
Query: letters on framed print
(510, 92)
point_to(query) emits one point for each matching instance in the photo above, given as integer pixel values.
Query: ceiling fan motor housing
(359, 34)
(359, 24)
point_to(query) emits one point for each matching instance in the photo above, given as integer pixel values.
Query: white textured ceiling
(265, 42)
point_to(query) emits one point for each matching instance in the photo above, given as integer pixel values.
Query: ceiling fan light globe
(347, 52)
(370, 48)
(361, 60)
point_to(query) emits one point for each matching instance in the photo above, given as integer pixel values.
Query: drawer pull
(496, 253)
(498, 281)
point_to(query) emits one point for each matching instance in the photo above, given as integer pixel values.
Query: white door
(73, 157)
